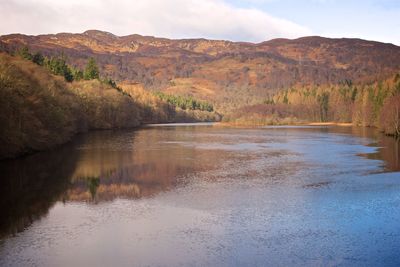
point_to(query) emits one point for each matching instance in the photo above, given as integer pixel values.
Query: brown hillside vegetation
(143, 79)
(376, 104)
(231, 74)
(156, 110)
(39, 110)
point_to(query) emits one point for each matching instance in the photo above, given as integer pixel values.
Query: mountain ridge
(93, 32)
(239, 73)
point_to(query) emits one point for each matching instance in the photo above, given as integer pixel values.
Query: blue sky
(368, 19)
(237, 20)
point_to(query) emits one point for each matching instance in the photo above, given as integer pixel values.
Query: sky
(236, 20)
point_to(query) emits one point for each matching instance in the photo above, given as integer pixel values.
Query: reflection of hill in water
(102, 166)
(98, 166)
(31, 185)
(144, 166)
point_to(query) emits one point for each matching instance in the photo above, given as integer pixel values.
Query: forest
(44, 102)
(372, 105)
(185, 102)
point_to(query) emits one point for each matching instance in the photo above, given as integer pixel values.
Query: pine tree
(38, 59)
(24, 53)
(91, 70)
(77, 74)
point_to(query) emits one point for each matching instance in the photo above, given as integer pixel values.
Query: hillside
(372, 105)
(231, 74)
(163, 80)
(39, 110)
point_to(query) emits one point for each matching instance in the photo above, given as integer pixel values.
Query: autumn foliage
(39, 110)
(390, 115)
(376, 104)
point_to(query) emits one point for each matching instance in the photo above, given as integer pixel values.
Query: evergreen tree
(58, 66)
(91, 70)
(185, 102)
(68, 74)
(24, 53)
(77, 74)
(38, 59)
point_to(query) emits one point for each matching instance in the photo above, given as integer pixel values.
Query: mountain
(231, 74)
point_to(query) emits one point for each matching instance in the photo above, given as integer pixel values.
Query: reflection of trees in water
(389, 147)
(389, 151)
(136, 169)
(93, 183)
(31, 185)
(111, 165)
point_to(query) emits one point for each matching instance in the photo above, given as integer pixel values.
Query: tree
(269, 101)
(91, 70)
(58, 66)
(24, 53)
(38, 59)
(354, 95)
(111, 82)
(68, 74)
(323, 101)
(77, 73)
(390, 116)
(285, 98)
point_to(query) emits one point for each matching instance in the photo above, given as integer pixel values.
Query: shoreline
(331, 123)
(343, 124)
(172, 124)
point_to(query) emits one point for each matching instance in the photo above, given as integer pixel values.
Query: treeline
(156, 109)
(185, 103)
(376, 104)
(57, 65)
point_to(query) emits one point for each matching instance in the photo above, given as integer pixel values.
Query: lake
(205, 195)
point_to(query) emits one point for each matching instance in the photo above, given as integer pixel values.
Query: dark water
(205, 196)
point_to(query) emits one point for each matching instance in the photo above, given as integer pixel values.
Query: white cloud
(214, 19)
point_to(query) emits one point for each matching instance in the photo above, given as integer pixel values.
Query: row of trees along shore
(376, 104)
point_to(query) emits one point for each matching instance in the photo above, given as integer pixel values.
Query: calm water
(205, 196)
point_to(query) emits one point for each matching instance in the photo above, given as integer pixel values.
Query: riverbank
(344, 124)
(39, 110)
(282, 123)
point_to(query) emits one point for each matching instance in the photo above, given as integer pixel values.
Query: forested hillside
(228, 74)
(44, 102)
(376, 104)
(53, 86)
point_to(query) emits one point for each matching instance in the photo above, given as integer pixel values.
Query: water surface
(203, 195)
